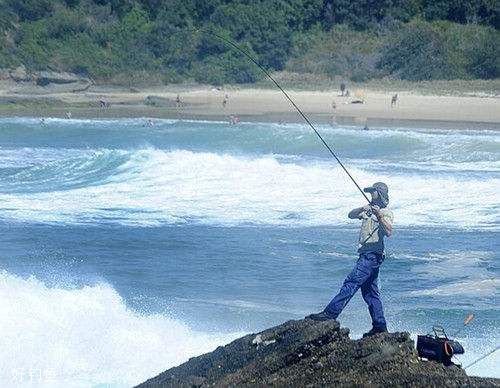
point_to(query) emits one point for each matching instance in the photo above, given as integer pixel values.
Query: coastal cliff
(315, 354)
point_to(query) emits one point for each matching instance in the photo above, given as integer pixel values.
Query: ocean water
(127, 249)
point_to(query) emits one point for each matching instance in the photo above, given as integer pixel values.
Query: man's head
(379, 192)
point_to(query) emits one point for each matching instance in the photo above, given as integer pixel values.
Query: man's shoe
(374, 331)
(322, 316)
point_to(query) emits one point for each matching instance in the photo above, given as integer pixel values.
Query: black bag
(438, 347)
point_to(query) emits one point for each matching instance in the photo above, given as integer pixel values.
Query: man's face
(375, 195)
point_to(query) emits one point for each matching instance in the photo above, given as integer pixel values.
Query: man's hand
(356, 213)
(375, 209)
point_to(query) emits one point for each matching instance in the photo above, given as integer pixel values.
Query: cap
(381, 188)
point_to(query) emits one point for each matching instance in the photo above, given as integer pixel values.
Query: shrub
(340, 52)
(416, 53)
(30, 10)
(441, 50)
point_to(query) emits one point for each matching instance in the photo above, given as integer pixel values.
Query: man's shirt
(371, 236)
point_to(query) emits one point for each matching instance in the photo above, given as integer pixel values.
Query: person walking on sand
(394, 100)
(376, 224)
(178, 101)
(225, 100)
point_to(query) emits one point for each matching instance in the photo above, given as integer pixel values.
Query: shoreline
(413, 111)
(284, 118)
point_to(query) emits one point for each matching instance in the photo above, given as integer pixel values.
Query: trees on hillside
(171, 38)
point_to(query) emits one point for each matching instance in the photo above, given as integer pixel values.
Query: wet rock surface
(315, 354)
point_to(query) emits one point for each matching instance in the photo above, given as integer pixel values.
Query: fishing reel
(438, 347)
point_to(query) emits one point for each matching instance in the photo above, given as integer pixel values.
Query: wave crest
(155, 187)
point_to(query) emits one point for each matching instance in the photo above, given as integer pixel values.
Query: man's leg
(352, 283)
(371, 295)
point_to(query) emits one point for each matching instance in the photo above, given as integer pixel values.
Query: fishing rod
(234, 45)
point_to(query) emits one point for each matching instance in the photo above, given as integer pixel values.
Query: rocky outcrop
(59, 81)
(305, 353)
(19, 74)
(44, 78)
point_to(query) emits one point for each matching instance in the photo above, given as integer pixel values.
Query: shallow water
(126, 250)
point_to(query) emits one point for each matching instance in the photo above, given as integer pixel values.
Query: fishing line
(486, 355)
(234, 45)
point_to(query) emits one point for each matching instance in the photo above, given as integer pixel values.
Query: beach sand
(412, 110)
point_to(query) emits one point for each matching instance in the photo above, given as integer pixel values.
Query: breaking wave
(149, 187)
(60, 337)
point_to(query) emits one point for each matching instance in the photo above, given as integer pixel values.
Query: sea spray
(86, 336)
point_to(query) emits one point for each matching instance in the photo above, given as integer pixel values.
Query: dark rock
(61, 81)
(44, 78)
(306, 353)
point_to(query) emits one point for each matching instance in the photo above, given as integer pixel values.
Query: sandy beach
(411, 110)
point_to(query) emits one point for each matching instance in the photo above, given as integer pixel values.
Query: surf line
(330, 149)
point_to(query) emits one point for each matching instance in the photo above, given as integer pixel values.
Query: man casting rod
(371, 244)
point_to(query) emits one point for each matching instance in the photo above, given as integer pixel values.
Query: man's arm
(386, 225)
(356, 213)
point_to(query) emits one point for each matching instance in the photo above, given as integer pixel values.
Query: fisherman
(376, 224)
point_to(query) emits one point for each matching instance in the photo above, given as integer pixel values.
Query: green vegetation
(153, 41)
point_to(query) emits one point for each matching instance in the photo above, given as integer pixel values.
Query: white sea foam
(475, 288)
(155, 187)
(82, 337)
(453, 264)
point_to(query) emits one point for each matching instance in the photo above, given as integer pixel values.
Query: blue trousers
(364, 275)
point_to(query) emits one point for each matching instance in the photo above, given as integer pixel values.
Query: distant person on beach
(342, 89)
(178, 101)
(68, 115)
(103, 104)
(333, 122)
(234, 119)
(225, 100)
(334, 105)
(42, 121)
(365, 128)
(394, 100)
(376, 224)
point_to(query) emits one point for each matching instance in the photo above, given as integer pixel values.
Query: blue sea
(126, 249)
